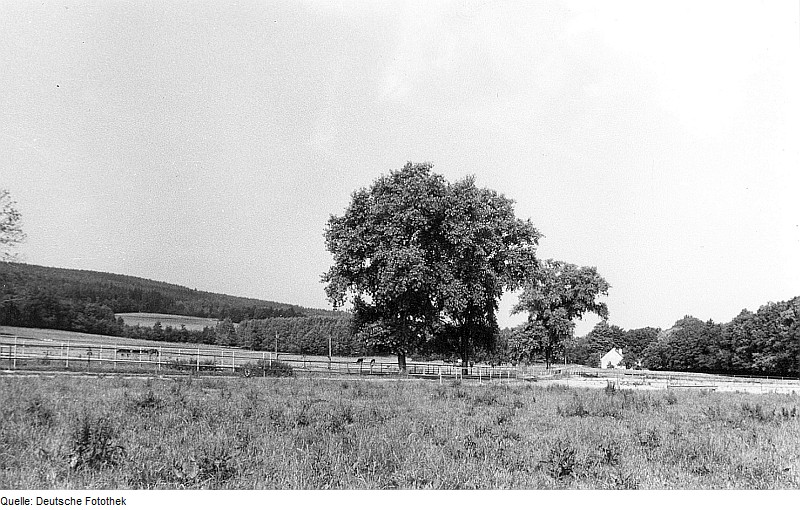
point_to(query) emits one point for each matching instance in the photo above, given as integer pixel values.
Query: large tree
(559, 294)
(487, 251)
(423, 260)
(384, 258)
(11, 232)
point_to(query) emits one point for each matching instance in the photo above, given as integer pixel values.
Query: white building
(612, 359)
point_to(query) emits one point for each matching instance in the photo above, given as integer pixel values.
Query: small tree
(559, 294)
(11, 232)
(225, 333)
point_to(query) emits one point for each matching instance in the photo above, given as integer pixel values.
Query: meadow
(67, 432)
(148, 320)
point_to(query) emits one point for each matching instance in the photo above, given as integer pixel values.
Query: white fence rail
(25, 352)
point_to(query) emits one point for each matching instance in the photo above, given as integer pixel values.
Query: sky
(207, 143)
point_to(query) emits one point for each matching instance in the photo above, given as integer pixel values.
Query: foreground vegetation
(71, 433)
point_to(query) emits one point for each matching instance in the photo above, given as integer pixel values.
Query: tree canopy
(425, 261)
(558, 294)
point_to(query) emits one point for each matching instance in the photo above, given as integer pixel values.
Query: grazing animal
(128, 352)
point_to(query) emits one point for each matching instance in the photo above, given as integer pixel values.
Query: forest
(86, 301)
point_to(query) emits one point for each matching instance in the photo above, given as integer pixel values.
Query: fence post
(67, 353)
(440, 374)
(115, 356)
(233, 361)
(198, 361)
(15, 353)
(158, 368)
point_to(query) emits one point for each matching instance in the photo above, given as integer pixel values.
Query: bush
(265, 368)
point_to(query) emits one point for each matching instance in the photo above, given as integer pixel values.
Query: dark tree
(486, 251)
(383, 258)
(421, 258)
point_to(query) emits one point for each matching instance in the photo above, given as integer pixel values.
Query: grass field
(176, 321)
(304, 433)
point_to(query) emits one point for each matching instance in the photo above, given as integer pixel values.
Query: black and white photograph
(447, 247)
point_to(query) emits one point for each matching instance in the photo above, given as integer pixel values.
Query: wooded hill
(86, 301)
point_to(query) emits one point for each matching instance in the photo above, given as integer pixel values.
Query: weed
(573, 408)
(622, 480)
(713, 412)
(504, 416)
(487, 398)
(611, 388)
(212, 465)
(339, 418)
(758, 413)
(649, 438)
(609, 452)
(215, 464)
(39, 412)
(561, 459)
(95, 444)
(147, 402)
(671, 398)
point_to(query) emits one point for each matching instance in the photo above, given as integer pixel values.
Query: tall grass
(292, 433)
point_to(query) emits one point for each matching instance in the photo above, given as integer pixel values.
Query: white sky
(206, 144)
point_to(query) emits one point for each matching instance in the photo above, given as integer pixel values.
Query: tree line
(765, 342)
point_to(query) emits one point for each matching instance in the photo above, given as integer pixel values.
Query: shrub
(265, 368)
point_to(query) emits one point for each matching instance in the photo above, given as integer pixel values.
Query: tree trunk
(548, 352)
(464, 356)
(401, 362)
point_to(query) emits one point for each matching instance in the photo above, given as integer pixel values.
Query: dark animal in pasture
(150, 353)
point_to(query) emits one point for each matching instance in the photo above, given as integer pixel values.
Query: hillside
(39, 296)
